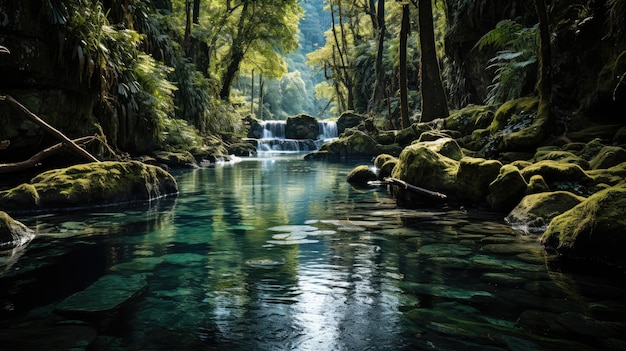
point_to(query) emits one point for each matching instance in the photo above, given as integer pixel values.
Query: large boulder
(557, 172)
(474, 176)
(351, 144)
(595, 228)
(13, 233)
(302, 126)
(421, 166)
(507, 189)
(537, 210)
(91, 184)
(347, 120)
(360, 175)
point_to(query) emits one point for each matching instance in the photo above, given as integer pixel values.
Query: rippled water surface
(277, 253)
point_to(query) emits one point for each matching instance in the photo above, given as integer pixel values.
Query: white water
(273, 138)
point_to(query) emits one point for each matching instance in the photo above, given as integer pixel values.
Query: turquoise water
(277, 253)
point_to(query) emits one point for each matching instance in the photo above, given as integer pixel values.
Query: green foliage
(515, 60)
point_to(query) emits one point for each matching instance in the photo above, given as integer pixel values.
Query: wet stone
(104, 298)
(454, 250)
(585, 325)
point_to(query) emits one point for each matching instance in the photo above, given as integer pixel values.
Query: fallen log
(35, 160)
(65, 140)
(417, 189)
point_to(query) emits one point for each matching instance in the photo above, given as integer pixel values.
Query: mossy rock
(386, 138)
(591, 149)
(557, 172)
(381, 159)
(347, 120)
(176, 159)
(515, 156)
(613, 176)
(412, 133)
(521, 164)
(507, 189)
(561, 156)
(620, 136)
(421, 166)
(508, 111)
(469, 119)
(432, 135)
(474, 176)
(595, 228)
(608, 157)
(537, 184)
(445, 146)
(360, 175)
(537, 210)
(13, 233)
(90, 184)
(353, 143)
(244, 148)
(387, 168)
(301, 127)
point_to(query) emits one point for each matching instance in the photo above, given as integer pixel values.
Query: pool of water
(277, 253)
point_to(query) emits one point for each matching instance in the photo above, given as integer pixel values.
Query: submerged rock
(13, 233)
(91, 184)
(595, 228)
(102, 300)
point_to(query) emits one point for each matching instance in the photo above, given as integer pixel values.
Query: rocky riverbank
(569, 188)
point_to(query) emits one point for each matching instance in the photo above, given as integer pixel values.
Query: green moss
(555, 171)
(360, 175)
(544, 206)
(381, 159)
(537, 184)
(444, 146)
(91, 184)
(608, 156)
(508, 112)
(421, 166)
(469, 118)
(507, 189)
(595, 228)
(613, 176)
(562, 156)
(474, 176)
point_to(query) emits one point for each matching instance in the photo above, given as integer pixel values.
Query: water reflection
(282, 254)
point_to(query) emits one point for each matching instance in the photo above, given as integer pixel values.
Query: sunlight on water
(276, 253)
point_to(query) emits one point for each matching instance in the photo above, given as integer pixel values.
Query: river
(277, 253)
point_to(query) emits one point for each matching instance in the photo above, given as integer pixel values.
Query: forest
(181, 75)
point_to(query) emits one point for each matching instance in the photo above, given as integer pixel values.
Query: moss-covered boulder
(353, 143)
(469, 119)
(385, 164)
(608, 157)
(13, 233)
(561, 156)
(91, 184)
(360, 175)
(557, 172)
(474, 176)
(445, 146)
(506, 191)
(176, 159)
(421, 166)
(612, 176)
(535, 211)
(347, 120)
(537, 184)
(595, 228)
(302, 126)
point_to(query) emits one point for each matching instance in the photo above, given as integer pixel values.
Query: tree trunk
(187, 39)
(434, 101)
(404, 99)
(236, 55)
(544, 82)
(196, 11)
(379, 88)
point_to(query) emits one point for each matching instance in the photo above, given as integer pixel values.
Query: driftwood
(34, 161)
(48, 128)
(417, 189)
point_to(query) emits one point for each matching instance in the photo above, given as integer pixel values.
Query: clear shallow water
(283, 254)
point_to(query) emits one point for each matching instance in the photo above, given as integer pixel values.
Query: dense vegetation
(182, 74)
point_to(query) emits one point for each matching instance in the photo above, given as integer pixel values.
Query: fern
(514, 61)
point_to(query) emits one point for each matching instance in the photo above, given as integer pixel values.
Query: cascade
(273, 137)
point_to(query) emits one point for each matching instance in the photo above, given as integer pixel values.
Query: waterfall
(328, 130)
(273, 138)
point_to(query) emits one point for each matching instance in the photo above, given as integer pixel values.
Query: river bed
(277, 253)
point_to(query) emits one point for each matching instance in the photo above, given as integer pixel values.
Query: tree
(262, 28)
(434, 100)
(405, 27)
(379, 86)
